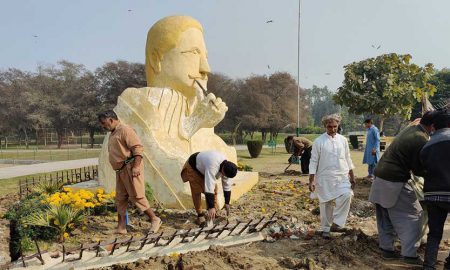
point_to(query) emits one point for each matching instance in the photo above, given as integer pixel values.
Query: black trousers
(304, 160)
(437, 214)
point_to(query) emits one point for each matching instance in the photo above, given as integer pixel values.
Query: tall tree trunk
(26, 137)
(263, 136)
(240, 138)
(273, 135)
(60, 134)
(91, 137)
(235, 132)
(382, 118)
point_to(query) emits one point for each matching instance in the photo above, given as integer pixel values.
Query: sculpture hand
(211, 110)
(215, 105)
(208, 112)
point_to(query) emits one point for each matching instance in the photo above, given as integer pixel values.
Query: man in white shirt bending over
(202, 169)
(331, 176)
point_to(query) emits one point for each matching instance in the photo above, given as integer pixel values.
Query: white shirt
(208, 163)
(330, 163)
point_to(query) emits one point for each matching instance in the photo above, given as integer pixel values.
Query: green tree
(56, 90)
(385, 86)
(15, 108)
(441, 80)
(114, 77)
(88, 105)
(269, 104)
(321, 103)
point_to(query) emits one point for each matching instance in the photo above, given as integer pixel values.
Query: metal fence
(68, 177)
(48, 138)
(159, 239)
(27, 156)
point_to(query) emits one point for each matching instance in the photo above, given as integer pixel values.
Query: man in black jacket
(436, 159)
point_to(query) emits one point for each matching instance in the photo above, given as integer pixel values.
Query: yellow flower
(174, 255)
(100, 191)
(56, 222)
(66, 235)
(263, 210)
(89, 204)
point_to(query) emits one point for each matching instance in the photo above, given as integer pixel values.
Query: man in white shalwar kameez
(331, 176)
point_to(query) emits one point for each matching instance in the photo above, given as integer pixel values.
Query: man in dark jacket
(436, 159)
(397, 208)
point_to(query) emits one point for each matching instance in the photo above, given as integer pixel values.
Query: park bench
(384, 142)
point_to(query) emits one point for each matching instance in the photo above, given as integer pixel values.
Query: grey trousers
(402, 220)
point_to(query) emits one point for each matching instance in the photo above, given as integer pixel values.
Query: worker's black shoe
(413, 260)
(390, 254)
(337, 228)
(326, 235)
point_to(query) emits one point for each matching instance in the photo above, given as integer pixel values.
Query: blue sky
(239, 41)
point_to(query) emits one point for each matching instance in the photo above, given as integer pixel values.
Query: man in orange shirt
(125, 155)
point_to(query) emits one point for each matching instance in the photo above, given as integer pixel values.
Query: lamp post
(298, 70)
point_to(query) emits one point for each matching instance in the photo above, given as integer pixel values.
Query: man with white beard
(331, 176)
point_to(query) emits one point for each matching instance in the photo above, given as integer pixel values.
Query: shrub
(47, 187)
(312, 130)
(60, 217)
(22, 234)
(244, 167)
(354, 141)
(254, 148)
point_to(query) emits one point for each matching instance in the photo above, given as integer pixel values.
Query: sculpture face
(180, 65)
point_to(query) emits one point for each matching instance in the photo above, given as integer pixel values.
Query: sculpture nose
(204, 66)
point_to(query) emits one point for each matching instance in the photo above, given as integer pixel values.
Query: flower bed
(51, 214)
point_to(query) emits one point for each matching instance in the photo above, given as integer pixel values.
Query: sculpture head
(176, 55)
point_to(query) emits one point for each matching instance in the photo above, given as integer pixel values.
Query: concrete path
(23, 170)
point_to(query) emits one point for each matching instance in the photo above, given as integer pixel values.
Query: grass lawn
(11, 185)
(267, 161)
(257, 136)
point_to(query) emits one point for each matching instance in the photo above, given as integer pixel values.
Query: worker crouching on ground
(201, 170)
(331, 176)
(125, 155)
(303, 148)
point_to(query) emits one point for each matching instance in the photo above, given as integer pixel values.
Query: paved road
(23, 170)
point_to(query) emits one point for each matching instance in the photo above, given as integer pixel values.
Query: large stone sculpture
(172, 116)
